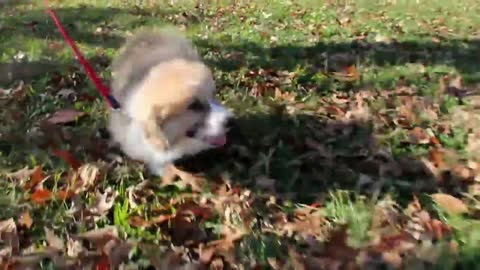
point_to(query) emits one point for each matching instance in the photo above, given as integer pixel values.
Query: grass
(315, 154)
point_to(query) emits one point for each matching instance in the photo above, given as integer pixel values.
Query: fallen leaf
(18, 93)
(67, 157)
(222, 246)
(335, 110)
(305, 224)
(103, 202)
(400, 242)
(348, 74)
(171, 173)
(9, 235)
(100, 237)
(64, 116)
(419, 136)
(463, 173)
(436, 158)
(352, 72)
(438, 229)
(41, 196)
(53, 241)
(337, 246)
(35, 178)
(344, 21)
(25, 220)
(394, 259)
(435, 141)
(137, 221)
(456, 87)
(451, 204)
(296, 259)
(286, 96)
(65, 194)
(118, 251)
(84, 177)
(191, 208)
(22, 174)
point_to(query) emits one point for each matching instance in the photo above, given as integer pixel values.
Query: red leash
(104, 90)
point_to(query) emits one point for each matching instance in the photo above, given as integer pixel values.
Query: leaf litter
(210, 221)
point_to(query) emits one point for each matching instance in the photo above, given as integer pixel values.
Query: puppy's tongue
(219, 140)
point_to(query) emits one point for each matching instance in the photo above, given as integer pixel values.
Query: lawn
(355, 144)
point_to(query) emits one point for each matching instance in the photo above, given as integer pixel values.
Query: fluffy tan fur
(156, 77)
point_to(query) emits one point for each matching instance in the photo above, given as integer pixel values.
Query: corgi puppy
(167, 98)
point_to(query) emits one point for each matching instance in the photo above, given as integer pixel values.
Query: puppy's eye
(197, 106)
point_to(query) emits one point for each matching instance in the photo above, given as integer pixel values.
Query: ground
(355, 145)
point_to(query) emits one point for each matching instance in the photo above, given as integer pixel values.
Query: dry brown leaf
(431, 169)
(25, 220)
(296, 259)
(344, 21)
(337, 246)
(335, 110)
(41, 196)
(74, 247)
(137, 221)
(172, 172)
(54, 241)
(18, 93)
(393, 258)
(437, 229)
(9, 235)
(84, 177)
(64, 116)
(400, 242)
(67, 157)
(359, 111)
(456, 87)
(463, 173)
(224, 246)
(22, 174)
(103, 202)
(419, 136)
(348, 74)
(117, 252)
(100, 237)
(451, 204)
(36, 178)
(310, 223)
(286, 96)
(191, 208)
(437, 159)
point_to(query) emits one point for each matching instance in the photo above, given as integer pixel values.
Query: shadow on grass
(307, 158)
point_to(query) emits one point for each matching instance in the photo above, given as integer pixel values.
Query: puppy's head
(177, 105)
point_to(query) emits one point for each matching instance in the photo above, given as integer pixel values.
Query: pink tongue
(220, 140)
